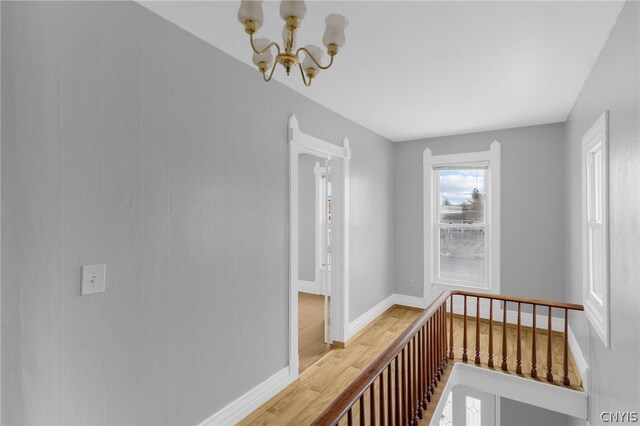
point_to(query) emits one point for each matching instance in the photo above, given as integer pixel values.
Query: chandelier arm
(267, 47)
(304, 78)
(302, 49)
(264, 74)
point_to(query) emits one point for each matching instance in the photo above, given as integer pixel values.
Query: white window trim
(596, 309)
(431, 285)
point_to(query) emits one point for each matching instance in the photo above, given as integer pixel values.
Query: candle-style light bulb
(264, 60)
(334, 33)
(308, 63)
(251, 10)
(293, 8)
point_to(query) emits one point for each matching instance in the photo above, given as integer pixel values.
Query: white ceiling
(417, 69)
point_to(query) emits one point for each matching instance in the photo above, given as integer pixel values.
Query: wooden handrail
(419, 356)
(524, 300)
(350, 396)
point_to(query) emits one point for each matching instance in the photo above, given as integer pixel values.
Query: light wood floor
(311, 345)
(323, 381)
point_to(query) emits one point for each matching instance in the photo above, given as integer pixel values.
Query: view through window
(460, 224)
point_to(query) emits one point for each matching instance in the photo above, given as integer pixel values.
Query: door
(469, 407)
(323, 239)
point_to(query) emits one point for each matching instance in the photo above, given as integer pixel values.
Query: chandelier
(292, 12)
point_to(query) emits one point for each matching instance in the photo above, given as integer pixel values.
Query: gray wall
(128, 141)
(307, 217)
(532, 226)
(515, 413)
(613, 85)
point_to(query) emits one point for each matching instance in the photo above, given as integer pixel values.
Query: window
(462, 228)
(446, 418)
(474, 411)
(460, 224)
(595, 196)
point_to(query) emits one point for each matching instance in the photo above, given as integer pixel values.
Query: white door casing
(301, 143)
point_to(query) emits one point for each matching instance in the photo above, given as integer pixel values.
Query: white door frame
(301, 143)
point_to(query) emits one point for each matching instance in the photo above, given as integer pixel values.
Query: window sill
(462, 286)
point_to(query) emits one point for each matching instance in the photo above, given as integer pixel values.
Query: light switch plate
(92, 279)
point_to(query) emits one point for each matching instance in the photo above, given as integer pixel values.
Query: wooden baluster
(427, 365)
(464, 331)
(439, 368)
(397, 391)
(443, 339)
(549, 362)
(428, 383)
(451, 327)
(408, 400)
(419, 371)
(414, 391)
(439, 342)
(404, 385)
(432, 364)
(410, 405)
(434, 351)
(518, 346)
(425, 375)
(445, 348)
(477, 359)
(490, 360)
(534, 370)
(504, 336)
(389, 397)
(349, 418)
(372, 405)
(362, 419)
(565, 357)
(381, 394)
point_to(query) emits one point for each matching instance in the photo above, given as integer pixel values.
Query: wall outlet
(93, 277)
(412, 283)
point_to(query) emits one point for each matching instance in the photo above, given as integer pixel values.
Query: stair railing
(397, 386)
(405, 375)
(520, 301)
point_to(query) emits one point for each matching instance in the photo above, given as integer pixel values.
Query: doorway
(466, 406)
(314, 258)
(318, 246)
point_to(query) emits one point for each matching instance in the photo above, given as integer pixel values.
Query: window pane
(462, 195)
(446, 418)
(474, 411)
(462, 254)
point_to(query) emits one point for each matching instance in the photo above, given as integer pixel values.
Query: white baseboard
(526, 318)
(581, 362)
(411, 301)
(363, 320)
(310, 287)
(250, 401)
